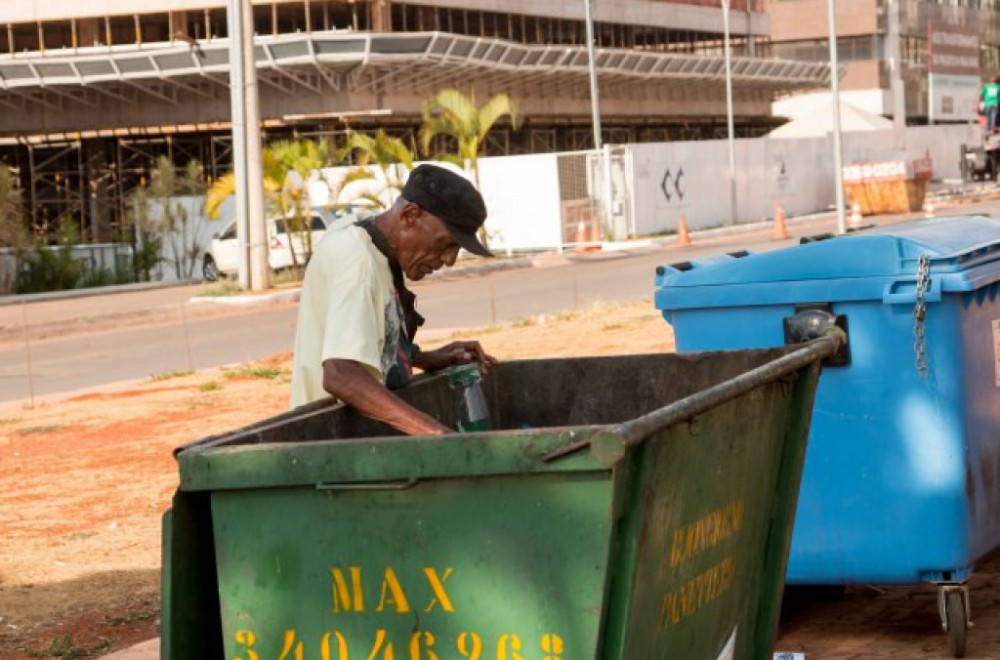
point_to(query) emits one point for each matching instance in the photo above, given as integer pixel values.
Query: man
(354, 339)
(989, 96)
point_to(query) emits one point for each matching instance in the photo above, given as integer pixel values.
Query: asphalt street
(91, 359)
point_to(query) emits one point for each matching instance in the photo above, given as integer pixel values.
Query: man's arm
(350, 382)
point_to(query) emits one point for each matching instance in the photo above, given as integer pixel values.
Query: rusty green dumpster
(622, 507)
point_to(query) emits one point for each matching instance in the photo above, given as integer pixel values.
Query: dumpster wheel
(953, 604)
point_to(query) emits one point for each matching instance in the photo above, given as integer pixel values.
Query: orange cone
(581, 231)
(855, 220)
(780, 232)
(683, 238)
(595, 235)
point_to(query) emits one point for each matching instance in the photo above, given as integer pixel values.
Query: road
(81, 361)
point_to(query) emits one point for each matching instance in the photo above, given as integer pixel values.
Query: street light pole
(734, 211)
(238, 118)
(595, 103)
(595, 110)
(838, 151)
(247, 162)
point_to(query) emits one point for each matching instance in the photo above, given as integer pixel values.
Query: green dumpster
(625, 507)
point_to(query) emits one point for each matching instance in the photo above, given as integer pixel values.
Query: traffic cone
(928, 209)
(855, 220)
(596, 239)
(780, 232)
(581, 233)
(683, 238)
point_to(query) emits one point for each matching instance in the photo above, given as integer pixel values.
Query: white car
(222, 256)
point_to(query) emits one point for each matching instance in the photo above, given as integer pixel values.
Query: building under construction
(91, 94)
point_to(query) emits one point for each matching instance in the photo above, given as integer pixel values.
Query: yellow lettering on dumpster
(289, 644)
(508, 647)
(247, 639)
(348, 595)
(381, 646)
(394, 591)
(420, 646)
(324, 646)
(553, 646)
(344, 599)
(718, 526)
(437, 586)
(470, 645)
(698, 592)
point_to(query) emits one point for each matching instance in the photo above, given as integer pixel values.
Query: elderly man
(357, 321)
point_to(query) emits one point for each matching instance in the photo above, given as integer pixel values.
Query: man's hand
(457, 352)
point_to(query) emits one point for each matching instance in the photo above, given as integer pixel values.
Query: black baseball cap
(453, 199)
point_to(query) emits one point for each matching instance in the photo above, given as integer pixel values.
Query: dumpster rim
(634, 432)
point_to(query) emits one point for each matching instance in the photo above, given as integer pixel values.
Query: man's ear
(410, 213)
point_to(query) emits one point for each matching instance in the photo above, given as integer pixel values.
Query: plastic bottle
(466, 380)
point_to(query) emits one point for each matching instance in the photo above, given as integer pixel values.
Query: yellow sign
(353, 590)
(419, 645)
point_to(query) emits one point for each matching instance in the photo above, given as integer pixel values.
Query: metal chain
(920, 314)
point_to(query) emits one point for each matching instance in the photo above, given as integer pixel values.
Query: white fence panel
(522, 197)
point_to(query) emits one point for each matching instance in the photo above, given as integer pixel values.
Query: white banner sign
(952, 71)
(953, 97)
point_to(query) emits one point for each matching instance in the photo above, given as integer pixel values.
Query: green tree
(288, 167)
(452, 113)
(382, 151)
(13, 232)
(52, 267)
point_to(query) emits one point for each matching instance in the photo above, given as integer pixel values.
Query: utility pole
(892, 46)
(838, 151)
(248, 167)
(595, 110)
(733, 208)
(595, 103)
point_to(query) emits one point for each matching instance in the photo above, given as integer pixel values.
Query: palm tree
(454, 114)
(288, 166)
(384, 152)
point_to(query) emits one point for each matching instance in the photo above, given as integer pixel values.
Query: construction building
(936, 52)
(92, 93)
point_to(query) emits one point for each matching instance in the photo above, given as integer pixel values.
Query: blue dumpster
(902, 476)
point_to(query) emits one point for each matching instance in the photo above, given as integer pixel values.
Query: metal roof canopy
(325, 62)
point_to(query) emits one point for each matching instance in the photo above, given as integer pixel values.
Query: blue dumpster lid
(881, 264)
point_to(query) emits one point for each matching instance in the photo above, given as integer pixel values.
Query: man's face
(424, 245)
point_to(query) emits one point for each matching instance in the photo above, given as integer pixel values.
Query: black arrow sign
(672, 183)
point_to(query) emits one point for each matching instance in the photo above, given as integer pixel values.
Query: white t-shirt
(348, 310)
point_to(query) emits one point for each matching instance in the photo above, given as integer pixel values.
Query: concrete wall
(798, 174)
(806, 19)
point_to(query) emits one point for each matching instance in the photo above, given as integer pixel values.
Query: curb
(28, 298)
(288, 295)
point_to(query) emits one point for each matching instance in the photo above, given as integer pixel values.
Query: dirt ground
(86, 479)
